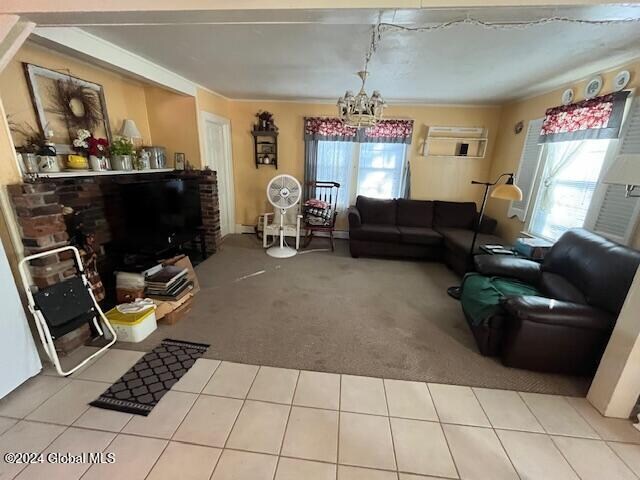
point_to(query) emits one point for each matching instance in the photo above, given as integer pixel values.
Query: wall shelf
(439, 140)
(90, 173)
(265, 146)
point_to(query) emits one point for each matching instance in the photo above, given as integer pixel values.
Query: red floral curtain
(599, 117)
(385, 131)
(389, 131)
(324, 128)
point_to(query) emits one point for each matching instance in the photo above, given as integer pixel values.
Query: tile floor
(227, 421)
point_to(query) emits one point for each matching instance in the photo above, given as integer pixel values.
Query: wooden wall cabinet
(265, 147)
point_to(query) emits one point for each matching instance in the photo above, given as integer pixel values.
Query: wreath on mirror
(79, 105)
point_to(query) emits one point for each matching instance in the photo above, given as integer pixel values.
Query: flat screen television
(155, 212)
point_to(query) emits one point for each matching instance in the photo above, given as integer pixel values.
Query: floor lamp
(505, 191)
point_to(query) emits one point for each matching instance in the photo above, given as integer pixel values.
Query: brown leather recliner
(584, 279)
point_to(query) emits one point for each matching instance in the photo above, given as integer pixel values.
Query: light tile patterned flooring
(227, 421)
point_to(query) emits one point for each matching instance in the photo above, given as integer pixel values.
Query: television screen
(155, 210)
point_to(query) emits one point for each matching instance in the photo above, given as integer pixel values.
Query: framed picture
(179, 160)
(64, 104)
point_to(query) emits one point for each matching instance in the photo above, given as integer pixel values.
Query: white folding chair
(63, 307)
(271, 227)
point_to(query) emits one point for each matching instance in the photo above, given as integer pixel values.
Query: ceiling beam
(86, 46)
(13, 33)
(68, 6)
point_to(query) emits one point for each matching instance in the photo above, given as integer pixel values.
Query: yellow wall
(509, 145)
(173, 120)
(124, 97)
(173, 123)
(431, 178)
(210, 102)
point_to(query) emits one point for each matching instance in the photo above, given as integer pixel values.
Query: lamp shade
(507, 191)
(624, 171)
(129, 129)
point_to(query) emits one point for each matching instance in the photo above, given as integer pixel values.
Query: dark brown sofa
(431, 230)
(584, 281)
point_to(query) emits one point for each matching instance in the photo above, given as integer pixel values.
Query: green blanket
(481, 295)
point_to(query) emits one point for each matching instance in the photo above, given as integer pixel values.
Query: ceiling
(313, 55)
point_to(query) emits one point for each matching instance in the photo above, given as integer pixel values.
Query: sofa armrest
(355, 221)
(552, 312)
(526, 271)
(488, 225)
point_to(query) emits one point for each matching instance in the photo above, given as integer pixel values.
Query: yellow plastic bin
(133, 327)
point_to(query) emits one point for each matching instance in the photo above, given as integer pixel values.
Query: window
(335, 164)
(566, 186)
(370, 169)
(380, 170)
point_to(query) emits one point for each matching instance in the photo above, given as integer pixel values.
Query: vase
(29, 162)
(122, 162)
(98, 164)
(48, 163)
(77, 162)
(142, 163)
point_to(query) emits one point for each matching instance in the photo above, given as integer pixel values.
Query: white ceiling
(313, 55)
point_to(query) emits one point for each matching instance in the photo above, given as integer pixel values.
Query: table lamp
(130, 130)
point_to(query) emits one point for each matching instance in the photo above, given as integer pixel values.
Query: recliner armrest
(355, 221)
(526, 271)
(555, 312)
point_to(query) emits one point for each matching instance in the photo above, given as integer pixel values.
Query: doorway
(217, 155)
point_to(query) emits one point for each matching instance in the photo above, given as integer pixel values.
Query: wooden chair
(328, 193)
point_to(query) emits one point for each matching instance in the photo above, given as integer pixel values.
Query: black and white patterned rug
(144, 384)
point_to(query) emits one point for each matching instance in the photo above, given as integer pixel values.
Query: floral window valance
(599, 117)
(321, 128)
(385, 131)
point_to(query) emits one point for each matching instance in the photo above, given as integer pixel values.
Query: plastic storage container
(133, 327)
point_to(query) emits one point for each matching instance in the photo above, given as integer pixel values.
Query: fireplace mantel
(90, 173)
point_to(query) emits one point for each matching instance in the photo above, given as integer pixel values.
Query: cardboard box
(163, 308)
(179, 313)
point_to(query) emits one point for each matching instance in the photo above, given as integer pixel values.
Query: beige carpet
(329, 312)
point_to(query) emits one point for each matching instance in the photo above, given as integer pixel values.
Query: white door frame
(228, 159)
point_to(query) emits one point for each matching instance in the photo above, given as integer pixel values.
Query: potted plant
(122, 154)
(32, 142)
(265, 121)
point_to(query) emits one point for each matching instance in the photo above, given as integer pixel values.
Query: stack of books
(169, 283)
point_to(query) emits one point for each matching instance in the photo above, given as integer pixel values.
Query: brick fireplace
(52, 212)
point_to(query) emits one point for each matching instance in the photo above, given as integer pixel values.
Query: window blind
(617, 214)
(527, 170)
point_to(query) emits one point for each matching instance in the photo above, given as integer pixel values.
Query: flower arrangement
(122, 146)
(265, 121)
(90, 145)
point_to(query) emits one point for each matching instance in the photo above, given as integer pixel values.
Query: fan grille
(284, 191)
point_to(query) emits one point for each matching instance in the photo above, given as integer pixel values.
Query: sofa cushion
(420, 235)
(415, 213)
(454, 214)
(459, 239)
(376, 211)
(376, 233)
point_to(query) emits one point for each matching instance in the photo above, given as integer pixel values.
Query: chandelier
(362, 110)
